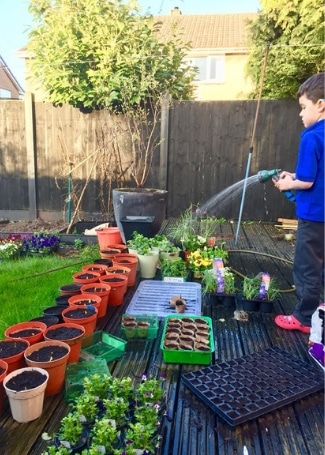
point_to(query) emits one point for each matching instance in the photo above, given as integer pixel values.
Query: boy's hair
(313, 88)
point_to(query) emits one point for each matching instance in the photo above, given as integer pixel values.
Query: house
(219, 49)
(9, 86)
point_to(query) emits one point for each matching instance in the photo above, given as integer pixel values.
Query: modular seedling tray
(248, 387)
(152, 297)
(102, 345)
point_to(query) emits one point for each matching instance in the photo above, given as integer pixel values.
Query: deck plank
(191, 427)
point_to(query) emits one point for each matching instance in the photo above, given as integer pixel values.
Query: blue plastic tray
(152, 297)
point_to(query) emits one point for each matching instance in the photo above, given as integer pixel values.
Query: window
(5, 93)
(210, 69)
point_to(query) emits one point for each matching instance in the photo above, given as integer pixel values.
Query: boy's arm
(288, 181)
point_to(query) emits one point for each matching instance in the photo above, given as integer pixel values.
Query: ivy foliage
(293, 33)
(104, 54)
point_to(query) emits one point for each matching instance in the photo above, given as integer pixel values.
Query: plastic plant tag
(265, 283)
(219, 271)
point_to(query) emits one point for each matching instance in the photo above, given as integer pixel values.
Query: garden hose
(288, 261)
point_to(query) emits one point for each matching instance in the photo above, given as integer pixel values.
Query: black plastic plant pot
(140, 224)
(48, 320)
(55, 311)
(250, 305)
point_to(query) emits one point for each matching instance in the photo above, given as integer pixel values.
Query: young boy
(308, 183)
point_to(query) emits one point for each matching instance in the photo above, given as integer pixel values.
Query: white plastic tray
(152, 297)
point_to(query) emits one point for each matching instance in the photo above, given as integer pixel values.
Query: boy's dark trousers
(308, 267)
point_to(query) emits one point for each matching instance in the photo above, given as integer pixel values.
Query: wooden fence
(208, 146)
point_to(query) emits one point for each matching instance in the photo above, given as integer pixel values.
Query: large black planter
(140, 202)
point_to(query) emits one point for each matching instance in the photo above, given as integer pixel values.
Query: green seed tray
(102, 345)
(136, 333)
(185, 356)
(77, 371)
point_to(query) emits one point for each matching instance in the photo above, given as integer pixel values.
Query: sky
(15, 21)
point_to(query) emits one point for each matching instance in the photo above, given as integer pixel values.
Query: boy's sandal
(291, 323)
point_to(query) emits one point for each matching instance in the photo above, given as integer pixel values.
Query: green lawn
(30, 284)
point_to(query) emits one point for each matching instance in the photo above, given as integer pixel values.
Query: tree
(103, 54)
(293, 32)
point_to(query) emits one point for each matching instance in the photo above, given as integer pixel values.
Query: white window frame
(214, 68)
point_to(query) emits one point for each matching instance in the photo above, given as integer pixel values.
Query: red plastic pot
(86, 277)
(4, 369)
(130, 261)
(102, 290)
(34, 331)
(16, 359)
(118, 283)
(60, 332)
(88, 319)
(108, 236)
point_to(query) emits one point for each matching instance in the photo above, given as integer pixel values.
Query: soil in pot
(79, 313)
(29, 379)
(31, 331)
(69, 333)
(48, 354)
(52, 356)
(12, 352)
(86, 277)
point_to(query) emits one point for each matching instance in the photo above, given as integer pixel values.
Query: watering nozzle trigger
(264, 176)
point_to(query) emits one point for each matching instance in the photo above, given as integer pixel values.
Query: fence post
(164, 130)
(30, 152)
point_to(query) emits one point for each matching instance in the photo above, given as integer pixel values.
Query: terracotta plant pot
(119, 246)
(99, 268)
(82, 315)
(118, 283)
(86, 277)
(108, 236)
(109, 253)
(3, 373)
(71, 334)
(25, 389)
(85, 299)
(130, 261)
(12, 352)
(53, 357)
(120, 270)
(103, 291)
(32, 331)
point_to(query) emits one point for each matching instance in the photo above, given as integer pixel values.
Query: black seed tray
(250, 386)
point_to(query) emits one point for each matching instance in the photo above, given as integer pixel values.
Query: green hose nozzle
(264, 176)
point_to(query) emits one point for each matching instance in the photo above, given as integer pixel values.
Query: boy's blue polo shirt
(310, 168)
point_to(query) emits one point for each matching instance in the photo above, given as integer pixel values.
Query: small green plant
(173, 268)
(229, 277)
(78, 244)
(104, 434)
(86, 407)
(140, 243)
(209, 282)
(97, 385)
(116, 409)
(70, 430)
(252, 286)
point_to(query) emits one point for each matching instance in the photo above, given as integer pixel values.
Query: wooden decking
(190, 427)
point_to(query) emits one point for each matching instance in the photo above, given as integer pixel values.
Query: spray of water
(218, 203)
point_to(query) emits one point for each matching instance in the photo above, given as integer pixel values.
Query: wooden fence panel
(208, 148)
(13, 160)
